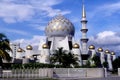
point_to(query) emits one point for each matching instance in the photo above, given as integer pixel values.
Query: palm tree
(4, 48)
(70, 60)
(57, 56)
(64, 58)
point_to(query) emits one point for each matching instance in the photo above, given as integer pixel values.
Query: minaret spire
(84, 30)
(83, 10)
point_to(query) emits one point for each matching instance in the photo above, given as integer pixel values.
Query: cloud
(34, 41)
(106, 39)
(38, 27)
(111, 8)
(20, 32)
(12, 11)
(106, 9)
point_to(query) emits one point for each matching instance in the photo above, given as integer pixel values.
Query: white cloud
(12, 11)
(38, 27)
(34, 41)
(20, 32)
(106, 39)
(106, 9)
(111, 8)
(106, 34)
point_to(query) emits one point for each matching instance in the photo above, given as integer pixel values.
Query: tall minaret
(84, 30)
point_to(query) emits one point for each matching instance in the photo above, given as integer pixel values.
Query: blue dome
(60, 26)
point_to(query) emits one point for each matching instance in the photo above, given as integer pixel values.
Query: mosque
(59, 33)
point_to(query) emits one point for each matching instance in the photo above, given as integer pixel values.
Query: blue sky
(24, 20)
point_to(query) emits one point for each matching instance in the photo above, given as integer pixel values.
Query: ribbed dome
(59, 26)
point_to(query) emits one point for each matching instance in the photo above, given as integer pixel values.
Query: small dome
(59, 26)
(19, 50)
(29, 47)
(107, 51)
(100, 49)
(113, 53)
(76, 45)
(45, 46)
(91, 47)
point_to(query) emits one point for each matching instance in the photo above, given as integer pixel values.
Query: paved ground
(107, 78)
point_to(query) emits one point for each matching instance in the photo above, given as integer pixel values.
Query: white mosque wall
(76, 52)
(57, 43)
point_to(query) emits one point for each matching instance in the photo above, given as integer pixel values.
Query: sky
(24, 21)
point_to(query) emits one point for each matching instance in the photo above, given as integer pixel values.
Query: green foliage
(116, 64)
(4, 47)
(105, 64)
(64, 58)
(97, 62)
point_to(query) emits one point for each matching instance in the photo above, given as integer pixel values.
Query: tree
(4, 48)
(64, 58)
(57, 56)
(116, 64)
(69, 59)
(96, 60)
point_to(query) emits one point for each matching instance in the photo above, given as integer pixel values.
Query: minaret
(84, 30)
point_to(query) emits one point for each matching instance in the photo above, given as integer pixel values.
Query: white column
(19, 55)
(93, 53)
(28, 54)
(102, 57)
(114, 57)
(46, 56)
(109, 61)
(76, 52)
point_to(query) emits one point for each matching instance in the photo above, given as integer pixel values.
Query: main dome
(59, 26)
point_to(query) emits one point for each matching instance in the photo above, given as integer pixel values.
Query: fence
(79, 72)
(56, 73)
(27, 73)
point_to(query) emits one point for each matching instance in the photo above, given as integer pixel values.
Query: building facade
(59, 33)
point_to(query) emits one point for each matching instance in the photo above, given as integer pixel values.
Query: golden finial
(76, 45)
(100, 49)
(107, 51)
(45, 46)
(112, 53)
(91, 47)
(29, 47)
(19, 50)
